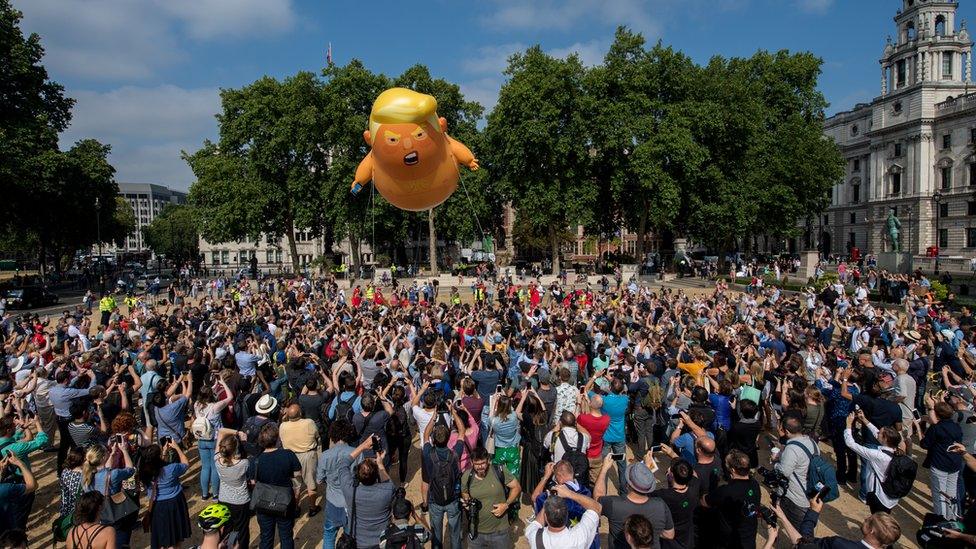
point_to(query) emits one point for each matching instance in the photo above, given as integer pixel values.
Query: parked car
(30, 297)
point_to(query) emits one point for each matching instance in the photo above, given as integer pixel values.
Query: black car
(28, 298)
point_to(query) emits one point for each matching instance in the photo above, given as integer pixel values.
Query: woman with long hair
(276, 466)
(209, 409)
(88, 532)
(534, 425)
(169, 515)
(504, 425)
(99, 474)
(234, 491)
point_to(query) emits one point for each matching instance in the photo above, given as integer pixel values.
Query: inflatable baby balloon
(413, 162)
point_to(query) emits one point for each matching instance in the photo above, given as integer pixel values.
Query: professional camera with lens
(777, 483)
(471, 508)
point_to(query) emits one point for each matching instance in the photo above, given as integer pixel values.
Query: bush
(830, 277)
(940, 290)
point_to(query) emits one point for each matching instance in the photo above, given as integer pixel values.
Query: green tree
(264, 176)
(348, 93)
(538, 146)
(174, 234)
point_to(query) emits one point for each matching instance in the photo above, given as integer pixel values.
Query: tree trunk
(292, 248)
(641, 230)
(554, 242)
(432, 242)
(42, 258)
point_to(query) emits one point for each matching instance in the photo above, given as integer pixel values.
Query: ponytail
(228, 449)
(94, 459)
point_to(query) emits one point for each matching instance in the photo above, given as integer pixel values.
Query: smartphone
(376, 441)
(857, 408)
(655, 448)
(163, 441)
(917, 414)
(617, 456)
(822, 491)
(498, 388)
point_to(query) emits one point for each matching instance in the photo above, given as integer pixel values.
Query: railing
(956, 103)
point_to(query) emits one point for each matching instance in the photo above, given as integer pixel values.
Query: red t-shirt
(596, 427)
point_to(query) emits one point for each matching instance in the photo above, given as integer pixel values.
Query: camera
(768, 515)
(163, 441)
(777, 483)
(471, 508)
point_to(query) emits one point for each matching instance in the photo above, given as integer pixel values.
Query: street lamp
(98, 235)
(937, 197)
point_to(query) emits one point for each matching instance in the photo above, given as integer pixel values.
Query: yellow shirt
(299, 436)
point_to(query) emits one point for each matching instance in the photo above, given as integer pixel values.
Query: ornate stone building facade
(912, 149)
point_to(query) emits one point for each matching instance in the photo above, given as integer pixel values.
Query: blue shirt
(506, 431)
(335, 471)
(115, 484)
(169, 419)
(686, 446)
(61, 397)
(246, 363)
(615, 406)
(344, 397)
(168, 481)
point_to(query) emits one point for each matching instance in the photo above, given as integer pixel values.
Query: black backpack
(899, 476)
(399, 538)
(445, 476)
(344, 409)
(576, 458)
(397, 426)
(252, 428)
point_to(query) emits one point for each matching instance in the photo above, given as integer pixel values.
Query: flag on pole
(328, 54)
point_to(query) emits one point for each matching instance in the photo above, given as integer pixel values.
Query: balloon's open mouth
(411, 158)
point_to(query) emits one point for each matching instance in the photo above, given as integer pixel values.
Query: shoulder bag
(269, 498)
(119, 508)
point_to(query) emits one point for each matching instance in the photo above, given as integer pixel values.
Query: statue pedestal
(895, 262)
(808, 265)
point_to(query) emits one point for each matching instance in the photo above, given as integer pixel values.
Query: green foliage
(939, 290)
(174, 234)
(264, 176)
(538, 146)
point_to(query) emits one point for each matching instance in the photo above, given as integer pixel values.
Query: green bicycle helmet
(213, 517)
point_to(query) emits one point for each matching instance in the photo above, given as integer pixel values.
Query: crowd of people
(670, 415)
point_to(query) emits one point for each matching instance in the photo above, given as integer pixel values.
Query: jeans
(618, 448)
(492, 540)
(437, 512)
(335, 518)
(208, 470)
(286, 530)
(941, 481)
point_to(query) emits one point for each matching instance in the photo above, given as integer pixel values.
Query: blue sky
(146, 72)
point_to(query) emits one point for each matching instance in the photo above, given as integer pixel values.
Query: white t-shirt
(575, 537)
(572, 438)
(423, 417)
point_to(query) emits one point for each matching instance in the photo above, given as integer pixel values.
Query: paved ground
(842, 517)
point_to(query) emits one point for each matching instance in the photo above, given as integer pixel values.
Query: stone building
(912, 148)
(147, 201)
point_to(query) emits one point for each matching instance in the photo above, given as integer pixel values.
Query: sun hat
(266, 404)
(640, 478)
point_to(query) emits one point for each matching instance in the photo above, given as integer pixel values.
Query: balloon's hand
(356, 187)
(473, 165)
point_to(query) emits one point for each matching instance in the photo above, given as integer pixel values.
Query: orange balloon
(413, 162)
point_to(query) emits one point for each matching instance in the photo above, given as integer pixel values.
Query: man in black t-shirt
(682, 498)
(737, 503)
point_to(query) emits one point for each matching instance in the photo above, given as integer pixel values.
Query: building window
(900, 72)
(857, 164)
(947, 141)
(851, 241)
(972, 135)
(897, 150)
(895, 184)
(215, 260)
(853, 218)
(826, 222)
(972, 174)
(225, 257)
(940, 25)
(971, 207)
(855, 193)
(944, 209)
(943, 238)
(269, 256)
(971, 237)
(946, 178)
(277, 256)
(947, 65)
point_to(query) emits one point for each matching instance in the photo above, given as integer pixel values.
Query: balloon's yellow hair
(402, 106)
